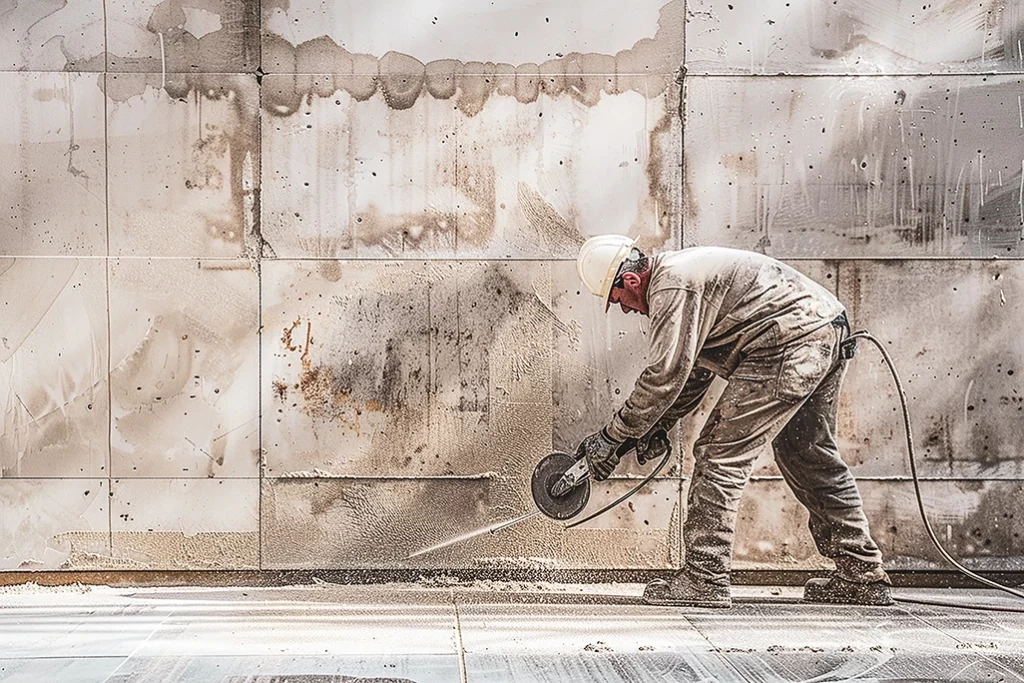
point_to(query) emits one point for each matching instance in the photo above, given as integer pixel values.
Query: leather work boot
(838, 591)
(683, 591)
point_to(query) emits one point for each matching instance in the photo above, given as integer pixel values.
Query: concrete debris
(33, 588)
(599, 646)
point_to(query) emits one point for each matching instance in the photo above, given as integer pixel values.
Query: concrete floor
(489, 632)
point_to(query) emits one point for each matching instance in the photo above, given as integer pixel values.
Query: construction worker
(779, 340)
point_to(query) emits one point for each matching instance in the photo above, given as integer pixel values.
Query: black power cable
(863, 334)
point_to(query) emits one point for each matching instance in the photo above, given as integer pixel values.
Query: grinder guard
(548, 471)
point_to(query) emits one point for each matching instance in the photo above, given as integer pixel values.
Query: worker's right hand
(653, 445)
(600, 450)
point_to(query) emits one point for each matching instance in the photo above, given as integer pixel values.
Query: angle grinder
(561, 484)
(561, 489)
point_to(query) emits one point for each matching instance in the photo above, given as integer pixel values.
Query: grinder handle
(657, 446)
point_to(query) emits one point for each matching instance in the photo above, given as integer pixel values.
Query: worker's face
(631, 295)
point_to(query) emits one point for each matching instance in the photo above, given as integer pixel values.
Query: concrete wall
(290, 284)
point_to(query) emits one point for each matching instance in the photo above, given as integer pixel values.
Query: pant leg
(808, 457)
(764, 392)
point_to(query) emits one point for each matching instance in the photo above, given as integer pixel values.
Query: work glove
(600, 450)
(653, 445)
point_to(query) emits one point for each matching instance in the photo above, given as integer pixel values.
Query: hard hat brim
(620, 259)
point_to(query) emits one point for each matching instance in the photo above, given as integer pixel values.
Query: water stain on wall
(193, 35)
(647, 68)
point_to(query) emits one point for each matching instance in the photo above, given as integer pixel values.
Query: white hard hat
(599, 260)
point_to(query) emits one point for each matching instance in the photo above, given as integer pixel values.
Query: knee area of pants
(725, 478)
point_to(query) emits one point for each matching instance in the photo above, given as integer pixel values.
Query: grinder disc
(545, 474)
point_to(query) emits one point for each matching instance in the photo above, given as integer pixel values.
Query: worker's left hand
(600, 451)
(653, 445)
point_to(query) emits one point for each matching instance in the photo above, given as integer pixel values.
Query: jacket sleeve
(679, 327)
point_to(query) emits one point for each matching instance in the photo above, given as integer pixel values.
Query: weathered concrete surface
(213, 36)
(348, 176)
(53, 368)
(169, 36)
(506, 31)
(855, 167)
(183, 155)
(406, 368)
(952, 330)
(184, 524)
(370, 248)
(52, 136)
(52, 36)
(814, 36)
(39, 515)
(184, 368)
(975, 520)
(345, 523)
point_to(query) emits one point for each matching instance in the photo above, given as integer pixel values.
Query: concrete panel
(52, 36)
(503, 174)
(865, 167)
(52, 136)
(405, 368)
(183, 164)
(211, 36)
(53, 368)
(185, 523)
(342, 523)
(952, 328)
(863, 36)
(973, 519)
(648, 38)
(184, 368)
(348, 178)
(51, 524)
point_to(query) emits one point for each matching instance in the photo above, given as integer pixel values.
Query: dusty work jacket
(710, 306)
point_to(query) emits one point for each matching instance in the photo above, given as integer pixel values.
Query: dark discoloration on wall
(424, 340)
(234, 48)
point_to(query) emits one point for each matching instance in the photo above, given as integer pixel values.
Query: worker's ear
(631, 281)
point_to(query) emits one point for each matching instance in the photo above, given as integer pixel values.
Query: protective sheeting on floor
(490, 631)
